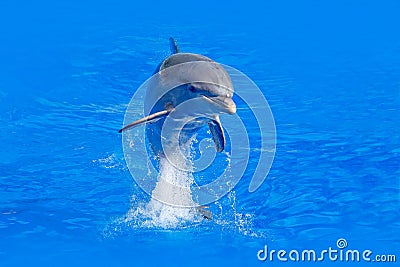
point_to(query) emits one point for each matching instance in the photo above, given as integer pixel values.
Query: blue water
(330, 72)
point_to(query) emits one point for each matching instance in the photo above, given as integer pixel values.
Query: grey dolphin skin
(216, 96)
(204, 101)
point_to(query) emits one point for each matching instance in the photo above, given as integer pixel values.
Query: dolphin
(206, 90)
(214, 98)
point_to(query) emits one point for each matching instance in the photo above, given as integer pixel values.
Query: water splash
(172, 185)
(108, 162)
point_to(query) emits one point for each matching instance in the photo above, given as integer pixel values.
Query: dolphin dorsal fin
(174, 46)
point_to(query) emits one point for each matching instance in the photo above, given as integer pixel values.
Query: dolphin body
(213, 97)
(206, 90)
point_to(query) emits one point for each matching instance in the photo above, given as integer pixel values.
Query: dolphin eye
(192, 88)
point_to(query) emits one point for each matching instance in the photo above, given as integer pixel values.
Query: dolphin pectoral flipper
(218, 134)
(147, 119)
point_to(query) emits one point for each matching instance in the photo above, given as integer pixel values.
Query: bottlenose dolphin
(204, 90)
(214, 97)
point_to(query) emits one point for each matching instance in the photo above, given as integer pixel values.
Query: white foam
(173, 186)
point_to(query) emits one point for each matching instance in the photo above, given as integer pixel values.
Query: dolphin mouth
(225, 103)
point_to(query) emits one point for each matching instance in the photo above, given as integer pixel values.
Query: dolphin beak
(230, 106)
(226, 104)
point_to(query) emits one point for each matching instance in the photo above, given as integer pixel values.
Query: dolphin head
(202, 78)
